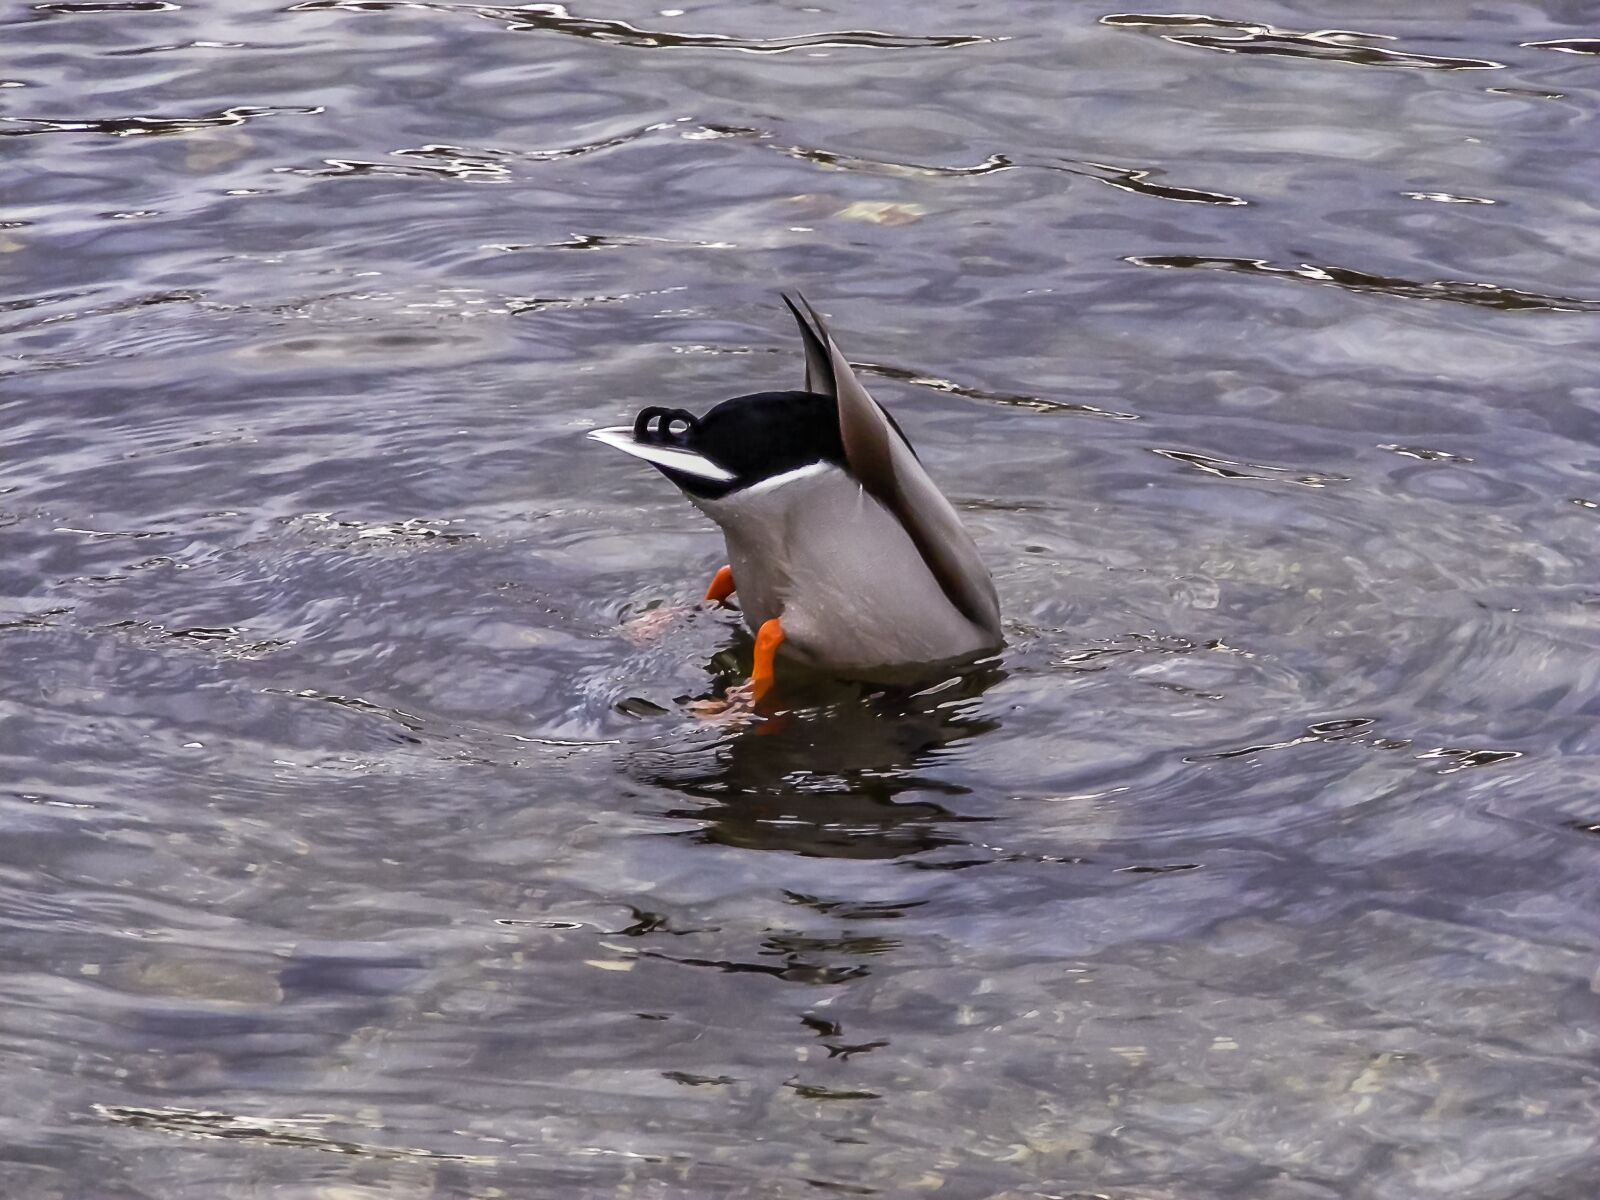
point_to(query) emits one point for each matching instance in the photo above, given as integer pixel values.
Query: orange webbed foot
(768, 638)
(721, 586)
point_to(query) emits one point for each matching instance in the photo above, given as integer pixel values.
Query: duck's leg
(721, 586)
(768, 639)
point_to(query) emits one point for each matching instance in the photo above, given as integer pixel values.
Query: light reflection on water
(367, 834)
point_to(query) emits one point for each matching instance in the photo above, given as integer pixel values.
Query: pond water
(363, 836)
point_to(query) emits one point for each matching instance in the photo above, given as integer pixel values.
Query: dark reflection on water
(374, 823)
(854, 778)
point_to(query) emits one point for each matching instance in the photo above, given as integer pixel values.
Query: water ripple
(298, 1132)
(1466, 758)
(1226, 468)
(557, 18)
(1024, 400)
(22, 304)
(1533, 93)
(838, 160)
(466, 164)
(151, 300)
(147, 126)
(1362, 731)
(68, 8)
(1447, 198)
(168, 47)
(1331, 45)
(409, 531)
(1009, 399)
(1456, 291)
(439, 162)
(488, 164)
(1568, 45)
(1424, 453)
(607, 241)
(1140, 180)
(349, 708)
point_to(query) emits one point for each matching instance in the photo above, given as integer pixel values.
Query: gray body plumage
(814, 549)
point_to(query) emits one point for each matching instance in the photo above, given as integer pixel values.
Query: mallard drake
(844, 553)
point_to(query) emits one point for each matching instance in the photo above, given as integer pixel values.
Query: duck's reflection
(848, 772)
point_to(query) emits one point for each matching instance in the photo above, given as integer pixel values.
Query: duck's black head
(751, 438)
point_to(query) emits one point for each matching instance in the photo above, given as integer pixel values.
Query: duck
(843, 553)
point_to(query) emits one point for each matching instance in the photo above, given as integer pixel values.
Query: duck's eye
(641, 424)
(656, 424)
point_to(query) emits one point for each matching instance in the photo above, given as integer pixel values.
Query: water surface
(364, 837)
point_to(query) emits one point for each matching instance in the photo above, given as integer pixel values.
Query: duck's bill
(671, 458)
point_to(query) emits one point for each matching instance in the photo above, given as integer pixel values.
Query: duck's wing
(881, 459)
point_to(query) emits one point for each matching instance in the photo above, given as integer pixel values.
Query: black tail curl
(657, 426)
